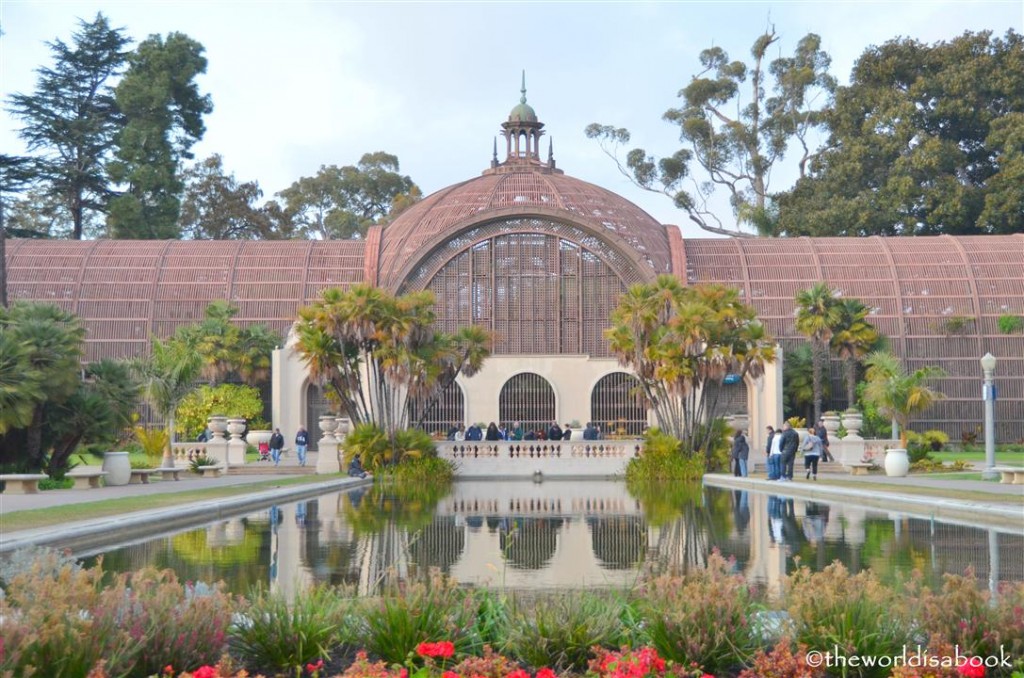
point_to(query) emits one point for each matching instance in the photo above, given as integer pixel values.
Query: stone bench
(22, 483)
(1010, 475)
(141, 475)
(174, 473)
(86, 479)
(211, 471)
(860, 468)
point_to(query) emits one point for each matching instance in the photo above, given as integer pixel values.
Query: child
(264, 448)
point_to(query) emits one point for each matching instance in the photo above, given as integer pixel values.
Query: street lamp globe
(988, 362)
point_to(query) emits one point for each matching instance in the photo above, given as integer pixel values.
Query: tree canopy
(72, 119)
(925, 140)
(216, 206)
(734, 151)
(343, 202)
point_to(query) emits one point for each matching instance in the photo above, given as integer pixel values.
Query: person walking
(276, 445)
(301, 445)
(740, 454)
(822, 433)
(812, 452)
(789, 443)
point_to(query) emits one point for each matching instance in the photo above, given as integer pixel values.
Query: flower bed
(62, 621)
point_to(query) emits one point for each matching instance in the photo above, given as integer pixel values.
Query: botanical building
(540, 257)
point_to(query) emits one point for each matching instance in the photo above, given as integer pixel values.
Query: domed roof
(526, 191)
(523, 112)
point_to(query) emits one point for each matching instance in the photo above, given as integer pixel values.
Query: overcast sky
(299, 85)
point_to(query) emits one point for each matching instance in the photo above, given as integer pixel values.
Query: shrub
(559, 630)
(152, 440)
(663, 459)
(233, 399)
(55, 484)
(201, 460)
(964, 614)
(281, 633)
(855, 613)
(702, 617)
(781, 662)
(394, 623)
(412, 471)
(176, 624)
(1010, 324)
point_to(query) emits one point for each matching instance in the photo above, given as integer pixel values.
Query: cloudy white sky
(297, 85)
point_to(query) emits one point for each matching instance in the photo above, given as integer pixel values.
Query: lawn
(1012, 455)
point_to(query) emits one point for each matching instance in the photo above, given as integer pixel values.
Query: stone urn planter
(831, 423)
(218, 425)
(118, 468)
(897, 463)
(255, 436)
(852, 422)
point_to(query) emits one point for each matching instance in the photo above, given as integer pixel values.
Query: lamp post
(988, 368)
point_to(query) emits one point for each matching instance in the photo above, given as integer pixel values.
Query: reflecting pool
(562, 534)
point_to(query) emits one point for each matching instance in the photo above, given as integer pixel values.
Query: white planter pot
(254, 437)
(118, 468)
(897, 463)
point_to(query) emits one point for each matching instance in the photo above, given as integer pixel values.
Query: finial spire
(522, 99)
(551, 152)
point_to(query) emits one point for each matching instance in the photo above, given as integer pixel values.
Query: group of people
(517, 432)
(781, 451)
(271, 450)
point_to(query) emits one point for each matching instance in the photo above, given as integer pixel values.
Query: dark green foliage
(343, 202)
(559, 630)
(163, 116)
(926, 139)
(216, 206)
(663, 459)
(72, 119)
(1011, 324)
(282, 633)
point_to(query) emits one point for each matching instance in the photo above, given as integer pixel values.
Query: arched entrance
(529, 399)
(317, 405)
(617, 405)
(448, 411)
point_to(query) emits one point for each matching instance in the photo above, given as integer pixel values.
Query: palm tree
(798, 380)
(20, 387)
(167, 376)
(853, 339)
(897, 393)
(817, 316)
(51, 348)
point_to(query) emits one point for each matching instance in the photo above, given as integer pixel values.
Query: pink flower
(518, 673)
(443, 649)
(545, 673)
(974, 668)
(205, 672)
(450, 674)
(169, 670)
(313, 668)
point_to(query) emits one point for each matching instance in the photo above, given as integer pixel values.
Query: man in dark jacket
(474, 433)
(740, 453)
(789, 445)
(822, 433)
(276, 445)
(555, 432)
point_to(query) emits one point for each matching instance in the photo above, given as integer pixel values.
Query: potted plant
(259, 431)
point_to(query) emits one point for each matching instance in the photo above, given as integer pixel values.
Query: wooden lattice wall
(938, 299)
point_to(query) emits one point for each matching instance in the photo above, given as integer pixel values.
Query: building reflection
(563, 535)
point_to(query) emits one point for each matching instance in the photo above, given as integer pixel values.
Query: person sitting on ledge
(355, 469)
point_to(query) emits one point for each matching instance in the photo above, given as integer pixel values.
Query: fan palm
(854, 337)
(167, 376)
(817, 316)
(897, 393)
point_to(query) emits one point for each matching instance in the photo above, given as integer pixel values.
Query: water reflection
(562, 535)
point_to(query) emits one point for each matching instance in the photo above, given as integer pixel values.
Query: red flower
(169, 670)
(443, 649)
(450, 674)
(545, 673)
(404, 673)
(205, 672)
(313, 668)
(974, 668)
(518, 673)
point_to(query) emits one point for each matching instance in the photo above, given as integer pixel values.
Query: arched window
(617, 405)
(731, 397)
(529, 399)
(317, 405)
(448, 411)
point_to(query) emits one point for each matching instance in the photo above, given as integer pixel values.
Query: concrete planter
(118, 468)
(897, 463)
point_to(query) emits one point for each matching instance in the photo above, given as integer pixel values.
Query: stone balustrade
(540, 459)
(182, 452)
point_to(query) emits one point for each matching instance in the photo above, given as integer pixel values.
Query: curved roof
(938, 299)
(128, 290)
(525, 191)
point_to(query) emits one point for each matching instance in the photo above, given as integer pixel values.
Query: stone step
(266, 469)
(823, 466)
